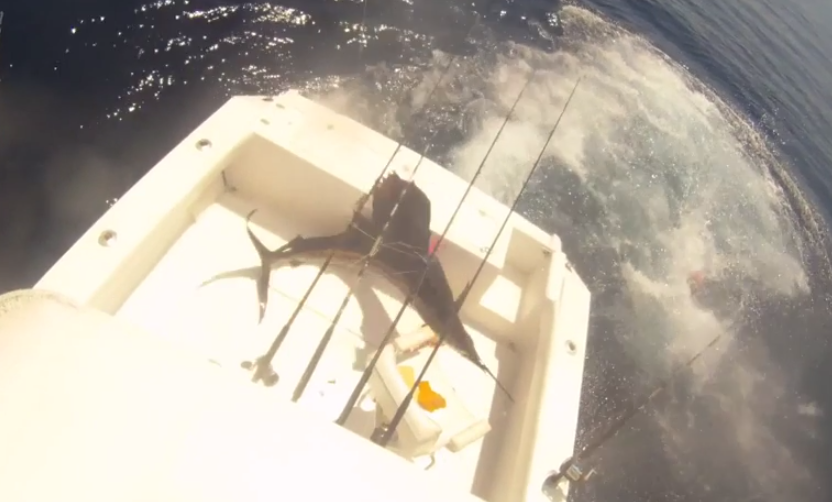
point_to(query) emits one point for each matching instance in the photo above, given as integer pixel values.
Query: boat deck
(172, 256)
(219, 320)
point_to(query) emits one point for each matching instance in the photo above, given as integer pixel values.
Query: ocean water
(697, 140)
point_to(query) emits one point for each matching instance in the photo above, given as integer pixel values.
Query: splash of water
(650, 178)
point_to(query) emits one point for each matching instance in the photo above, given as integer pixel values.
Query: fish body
(402, 258)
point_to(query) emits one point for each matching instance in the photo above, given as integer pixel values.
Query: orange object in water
(696, 280)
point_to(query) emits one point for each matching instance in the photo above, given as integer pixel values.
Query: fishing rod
(262, 370)
(328, 335)
(387, 433)
(325, 340)
(571, 469)
(391, 329)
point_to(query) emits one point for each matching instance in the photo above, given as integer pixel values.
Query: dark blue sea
(698, 140)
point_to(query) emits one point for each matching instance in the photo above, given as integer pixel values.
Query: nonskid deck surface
(202, 294)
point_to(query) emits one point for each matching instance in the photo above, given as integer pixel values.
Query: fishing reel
(571, 471)
(261, 370)
(577, 474)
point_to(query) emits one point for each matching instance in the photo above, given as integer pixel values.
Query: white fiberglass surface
(184, 269)
(202, 294)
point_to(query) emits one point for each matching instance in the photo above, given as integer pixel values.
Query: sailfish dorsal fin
(411, 223)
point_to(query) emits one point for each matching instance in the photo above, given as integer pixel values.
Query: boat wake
(649, 178)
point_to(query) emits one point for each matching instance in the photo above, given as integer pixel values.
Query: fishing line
(262, 370)
(387, 434)
(316, 357)
(368, 370)
(366, 375)
(570, 469)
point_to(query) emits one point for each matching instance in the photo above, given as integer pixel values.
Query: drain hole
(107, 238)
